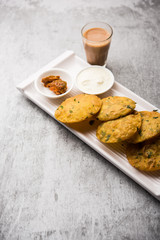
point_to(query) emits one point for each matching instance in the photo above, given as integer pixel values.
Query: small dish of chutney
(54, 83)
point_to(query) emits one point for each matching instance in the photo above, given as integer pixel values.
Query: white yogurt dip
(95, 80)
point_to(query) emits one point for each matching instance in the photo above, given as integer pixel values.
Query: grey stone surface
(52, 185)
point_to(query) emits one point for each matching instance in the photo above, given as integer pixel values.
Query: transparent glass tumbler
(97, 38)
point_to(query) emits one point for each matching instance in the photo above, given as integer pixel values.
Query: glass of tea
(96, 38)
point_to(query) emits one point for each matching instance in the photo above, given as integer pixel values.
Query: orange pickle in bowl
(55, 84)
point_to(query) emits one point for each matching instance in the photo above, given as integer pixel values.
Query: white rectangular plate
(69, 61)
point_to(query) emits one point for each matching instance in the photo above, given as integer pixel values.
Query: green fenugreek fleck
(128, 106)
(103, 133)
(149, 154)
(108, 136)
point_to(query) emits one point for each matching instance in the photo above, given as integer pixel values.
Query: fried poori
(78, 108)
(150, 127)
(115, 107)
(145, 156)
(120, 129)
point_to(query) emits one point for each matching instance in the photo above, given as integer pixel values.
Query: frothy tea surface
(96, 34)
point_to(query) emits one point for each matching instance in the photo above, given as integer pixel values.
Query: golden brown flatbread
(120, 129)
(78, 108)
(115, 107)
(145, 156)
(150, 127)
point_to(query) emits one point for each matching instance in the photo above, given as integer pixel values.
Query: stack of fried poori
(120, 122)
(143, 152)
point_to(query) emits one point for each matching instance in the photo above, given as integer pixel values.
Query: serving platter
(114, 153)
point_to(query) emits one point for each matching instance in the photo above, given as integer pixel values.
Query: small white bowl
(94, 80)
(64, 75)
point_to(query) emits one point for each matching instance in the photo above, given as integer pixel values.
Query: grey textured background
(52, 185)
